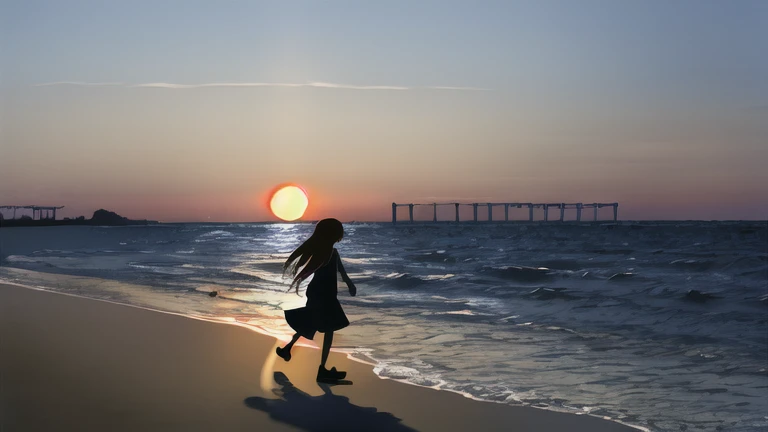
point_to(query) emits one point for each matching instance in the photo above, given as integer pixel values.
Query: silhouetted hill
(106, 217)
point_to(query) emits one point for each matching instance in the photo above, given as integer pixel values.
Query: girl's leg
(327, 341)
(285, 352)
(323, 374)
(293, 341)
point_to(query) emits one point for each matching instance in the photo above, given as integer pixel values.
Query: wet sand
(70, 363)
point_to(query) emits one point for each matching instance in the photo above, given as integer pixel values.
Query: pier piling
(38, 212)
(579, 207)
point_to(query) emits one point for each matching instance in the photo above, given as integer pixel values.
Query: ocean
(658, 324)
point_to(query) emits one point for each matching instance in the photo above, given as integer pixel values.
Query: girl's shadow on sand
(327, 412)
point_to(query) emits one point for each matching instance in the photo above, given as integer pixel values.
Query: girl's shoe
(325, 375)
(285, 355)
(339, 374)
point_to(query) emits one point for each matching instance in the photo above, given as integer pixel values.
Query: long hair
(314, 253)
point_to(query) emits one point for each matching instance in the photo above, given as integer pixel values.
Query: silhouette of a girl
(323, 313)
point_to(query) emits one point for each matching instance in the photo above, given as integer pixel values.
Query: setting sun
(289, 203)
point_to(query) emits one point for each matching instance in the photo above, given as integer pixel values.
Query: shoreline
(360, 372)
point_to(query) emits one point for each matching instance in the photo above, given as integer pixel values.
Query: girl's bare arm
(345, 277)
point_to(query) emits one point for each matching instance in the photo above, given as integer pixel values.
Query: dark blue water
(663, 325)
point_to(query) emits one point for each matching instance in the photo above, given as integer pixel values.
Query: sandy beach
(70, 363)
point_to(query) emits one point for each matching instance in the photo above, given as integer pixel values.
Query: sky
(196, 110)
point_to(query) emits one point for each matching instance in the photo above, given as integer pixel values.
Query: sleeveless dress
(323, 312)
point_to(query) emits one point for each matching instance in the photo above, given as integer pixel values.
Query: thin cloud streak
(353, 87)
(262, 84)
(193, 86)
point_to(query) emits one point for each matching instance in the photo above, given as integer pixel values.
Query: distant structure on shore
(46, 216)
(545, 206)
(37, 211)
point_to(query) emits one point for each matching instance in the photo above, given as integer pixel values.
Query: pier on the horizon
(544, 206)
(38, 212)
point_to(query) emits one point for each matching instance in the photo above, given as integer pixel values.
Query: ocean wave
(161, 268)
(623, 276)
(214, 235)
(217, 233)
(563, 264)
(434, 257)
(400, 280)
(700, 297)
(551, 294)
(403, 280)
(520, 273)
(20, 259)
(693, 264)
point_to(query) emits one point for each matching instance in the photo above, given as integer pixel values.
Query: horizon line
(429, 222)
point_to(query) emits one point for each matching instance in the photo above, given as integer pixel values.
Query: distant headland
(100, 217)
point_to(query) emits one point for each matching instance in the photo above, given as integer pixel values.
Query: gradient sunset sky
(193, 111)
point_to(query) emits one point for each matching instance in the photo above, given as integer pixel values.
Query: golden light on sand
(289, 203)
(267, 381)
